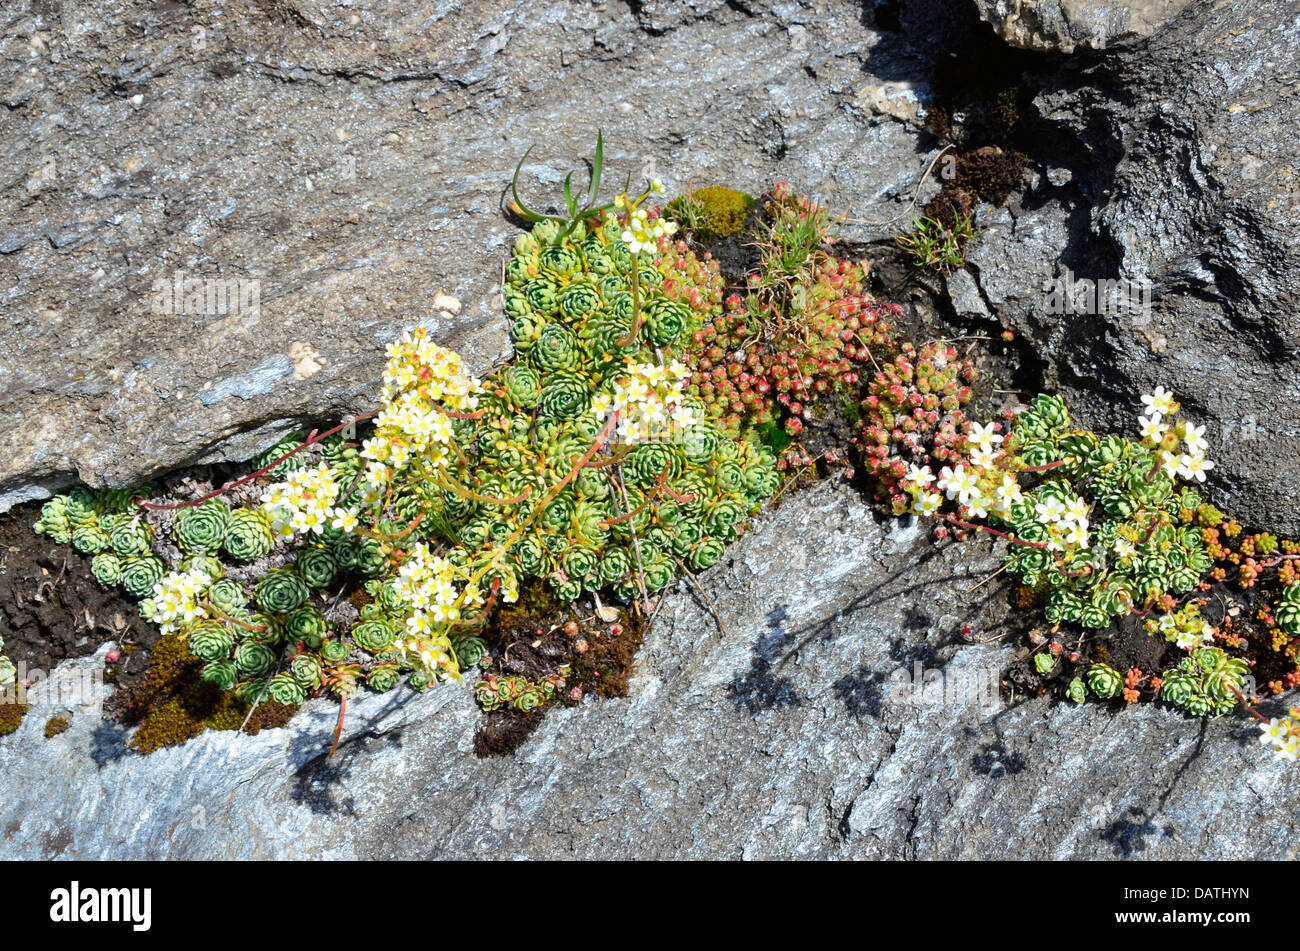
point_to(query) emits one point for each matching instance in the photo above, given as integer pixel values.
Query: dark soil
(540, 637)
(53, 609)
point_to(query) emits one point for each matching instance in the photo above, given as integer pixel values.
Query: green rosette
(556, 349)
(1288, 610)
(285, 445)
(1179, 688)
(561, 260)
(666, 320)
(374, 636)
(223, 673)
(383, 677)
(1077, 690)
(706, 553)
(578, 300)
(107, 569)
(1105, 682)
(543, 296)
(90, 540)
(211, 641)
(469, 650)
(140, 573)
(248, 535)
(250, 691)
(281, 592)
(82, 504)
(523, 385)
(131, 536)
(659, 572)
(254, 659)
(334, 652)
(570, 589)
(306, 670)
(648, 461)
(317, 567)
(580, 562)
(306, 624)
(565, 395)
(614, 565)
(529, 699)
(227, 596)
(284, 688)
(203, 527)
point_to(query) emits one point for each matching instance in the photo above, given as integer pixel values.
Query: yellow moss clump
(173, 703)
(712, 213)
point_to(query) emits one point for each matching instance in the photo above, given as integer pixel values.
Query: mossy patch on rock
(712, 213)
(54, 726)
(11, 717)
(173, 703)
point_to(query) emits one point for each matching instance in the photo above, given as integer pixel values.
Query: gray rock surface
(355, 169)
(791, 732)
(1181, 185)
(351, 159)
(1064, 26)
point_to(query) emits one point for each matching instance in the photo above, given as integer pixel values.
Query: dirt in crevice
(52, 609)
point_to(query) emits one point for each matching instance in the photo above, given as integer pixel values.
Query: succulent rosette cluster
(911, 416)
(588, 460)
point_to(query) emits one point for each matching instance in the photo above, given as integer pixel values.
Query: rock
(1063, 26)
(1181, 192)
(809, 724)
(321, 173)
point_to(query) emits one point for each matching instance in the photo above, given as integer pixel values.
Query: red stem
(311, 440)
(992, 531)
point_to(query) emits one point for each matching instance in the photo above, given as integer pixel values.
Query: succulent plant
(912, 415)
(1104, 681)
(1288, 610)
(248, 535)
(281, 591)
(203, 527)
(1207, 682)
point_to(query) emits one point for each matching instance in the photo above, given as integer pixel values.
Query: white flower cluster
(978, 486)
(1159, 435)
(649, 401)
(304, 502)
(640, 233)
(176, 598)
(1201, 635)
(1281, 736)
(427, 584)
(422, 381)
(1066, 522)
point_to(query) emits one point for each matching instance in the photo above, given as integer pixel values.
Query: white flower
(927, 503)
(982, 457)
(1153, 430)
(1161, 401)
(978, 506)
(1077, 534)
(983, 436)
(1050, 510)
(918, 478)
(1194, 438)
(959, 483)
(1007, 494)
(1194, 467)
